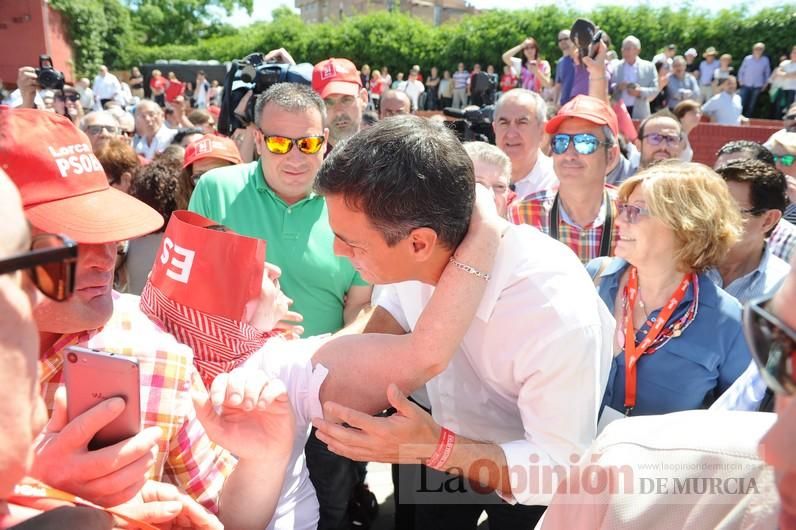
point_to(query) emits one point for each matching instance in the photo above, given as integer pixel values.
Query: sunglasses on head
(773, 346)
(585, 143)
(785, 160)
(657, 139)
(281, 145)
(632, 212)
(51, 263)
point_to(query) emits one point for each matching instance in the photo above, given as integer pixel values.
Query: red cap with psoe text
(594, 110)
(63, 186)
(336, 76)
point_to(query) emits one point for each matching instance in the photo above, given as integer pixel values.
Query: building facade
(433, 11)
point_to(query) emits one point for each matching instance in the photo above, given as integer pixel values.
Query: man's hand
(634, 91)
(280, 56)
(255, 416)
(107, 476)
(407, 436)
(164, 506)
(28, 84)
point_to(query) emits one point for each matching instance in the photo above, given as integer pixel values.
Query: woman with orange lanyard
(679, 342)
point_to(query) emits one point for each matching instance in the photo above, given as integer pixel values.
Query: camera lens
(71, 357)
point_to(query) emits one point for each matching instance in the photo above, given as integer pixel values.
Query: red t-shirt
(175, 88)
(158, 84)
(507, 82)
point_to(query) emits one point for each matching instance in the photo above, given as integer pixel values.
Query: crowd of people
(342, 282)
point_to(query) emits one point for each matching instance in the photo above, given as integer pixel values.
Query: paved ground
(380, 482)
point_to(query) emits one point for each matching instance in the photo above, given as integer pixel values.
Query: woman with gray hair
(492, 168)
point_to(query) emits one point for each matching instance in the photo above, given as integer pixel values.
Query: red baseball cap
(588, 108)
(63, 186)
(336, 76)
(212, 146)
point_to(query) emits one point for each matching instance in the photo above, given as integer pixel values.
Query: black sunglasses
(51, 262)
(773, 346)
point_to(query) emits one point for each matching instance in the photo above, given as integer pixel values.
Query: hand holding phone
(92, 377)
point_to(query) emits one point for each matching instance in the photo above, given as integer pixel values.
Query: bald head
(394, 103)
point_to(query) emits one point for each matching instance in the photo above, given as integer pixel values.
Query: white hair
(539, 106)
(631, 40)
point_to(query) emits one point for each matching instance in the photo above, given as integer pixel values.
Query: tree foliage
(399, 41)
(161, 22)
(99, 30)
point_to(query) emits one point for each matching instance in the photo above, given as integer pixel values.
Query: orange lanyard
(633, 352)
(30, 493)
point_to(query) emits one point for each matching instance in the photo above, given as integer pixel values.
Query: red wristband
(443, 451)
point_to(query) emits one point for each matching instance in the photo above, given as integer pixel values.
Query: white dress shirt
(291, 362)
(688, 470)
(531, 370)
(106, 87)
(541, 177)
(160, 142)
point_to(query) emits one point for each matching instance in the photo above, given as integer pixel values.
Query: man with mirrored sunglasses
(580, 212)
(272, 199)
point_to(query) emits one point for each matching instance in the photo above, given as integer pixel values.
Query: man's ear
(363, 95)
(424, 241)
(771, 219)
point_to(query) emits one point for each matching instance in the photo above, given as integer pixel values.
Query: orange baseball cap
(212, 146)
(588, 108)
(336, 76)
(63, 186)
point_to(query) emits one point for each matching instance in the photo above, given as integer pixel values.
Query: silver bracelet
(468, 269)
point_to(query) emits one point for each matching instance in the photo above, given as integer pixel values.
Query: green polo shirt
(299, 240)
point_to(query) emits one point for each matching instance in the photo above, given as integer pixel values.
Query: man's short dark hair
(756, 151)
(186, 131)
(768, 187)
(404, 173)
(289, 96)
(665, 113)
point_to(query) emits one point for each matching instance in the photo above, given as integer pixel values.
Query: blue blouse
(689, 371)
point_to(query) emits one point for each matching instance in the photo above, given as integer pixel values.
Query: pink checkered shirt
(186, 456)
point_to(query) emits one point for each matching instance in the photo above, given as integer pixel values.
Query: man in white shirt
(725, 108)
(519, 121)
(106, 88)
(151, 134)
(522, 391)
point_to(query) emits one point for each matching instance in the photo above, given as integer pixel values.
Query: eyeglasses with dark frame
(755, 212)
(773, 346)
(51, 263)
(657, 139)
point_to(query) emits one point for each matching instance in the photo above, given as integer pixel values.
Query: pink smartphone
(93, 376)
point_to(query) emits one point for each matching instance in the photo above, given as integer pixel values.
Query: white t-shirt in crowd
(291, 362)
(541, 177)
(413, 89)
(528, 357)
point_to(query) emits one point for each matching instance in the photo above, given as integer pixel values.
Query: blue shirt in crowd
(706, 70)
(765, 279)
(754, 72)
(689, 371)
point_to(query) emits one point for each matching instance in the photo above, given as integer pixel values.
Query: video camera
(248, 78)
(472, 124)
(47, 76)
